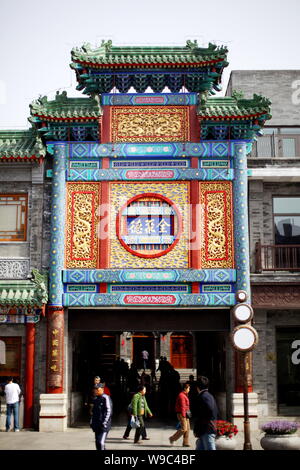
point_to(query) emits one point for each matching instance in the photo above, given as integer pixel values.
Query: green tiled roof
(21, 145)
(64, 108)
(107, 54)
(233, 107)
(32, 293)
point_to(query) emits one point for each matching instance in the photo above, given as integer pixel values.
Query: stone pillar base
(238, 410)
(53, 412)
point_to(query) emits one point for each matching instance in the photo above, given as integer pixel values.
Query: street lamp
(244, 339)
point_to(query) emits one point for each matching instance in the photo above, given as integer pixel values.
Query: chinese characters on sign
(149, 225)
(55, 350)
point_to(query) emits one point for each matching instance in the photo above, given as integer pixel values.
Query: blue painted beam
(146, 99)
(138, 300)
(142, 174)
(204, 149)
(148, 275)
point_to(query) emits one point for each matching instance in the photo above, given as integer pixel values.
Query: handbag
(188, 414)
(134, 422)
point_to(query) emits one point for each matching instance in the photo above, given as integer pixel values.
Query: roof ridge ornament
(192, 44)
(237, 95)
(107, 45)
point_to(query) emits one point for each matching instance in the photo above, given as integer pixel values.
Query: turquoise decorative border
(149, 99)
(240, 215)
(155, 300)
(200, 174)
(57, 241)
(148, 275)
(209, 149)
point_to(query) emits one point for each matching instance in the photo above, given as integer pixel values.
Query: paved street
(82, 438)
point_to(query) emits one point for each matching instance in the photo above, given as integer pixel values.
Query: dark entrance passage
(140, 343)
(186, 353)
(192, 340)
(211, 358)
(130, 319)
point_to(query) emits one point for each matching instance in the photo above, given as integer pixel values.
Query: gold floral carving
(178, 193)
(150, 124)
(217, 228)
(82, 240)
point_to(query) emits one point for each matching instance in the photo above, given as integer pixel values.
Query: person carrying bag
(140, 410)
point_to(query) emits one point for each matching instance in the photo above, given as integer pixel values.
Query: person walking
(140, 410)
(206, 413)
(90, 395)
(145, 358)
(129, 427)
(182, 408)
(12, 393)
(101, 416)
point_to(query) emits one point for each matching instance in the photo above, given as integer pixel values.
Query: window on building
(13, 217)
(278, 142)
(12, 366)
(181, 351)
(286, 253)
(286, 220)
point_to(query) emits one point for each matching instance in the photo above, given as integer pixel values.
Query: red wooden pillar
(29, 375)
(55, 350)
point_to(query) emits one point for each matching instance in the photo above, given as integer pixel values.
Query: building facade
(274, 206)
(145, 182)
(23, 267)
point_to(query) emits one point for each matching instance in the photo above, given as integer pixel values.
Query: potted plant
(280, 435)
(225, 438)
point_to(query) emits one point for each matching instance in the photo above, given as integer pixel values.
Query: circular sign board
(242, 312)
(149, 225)
(244, 338)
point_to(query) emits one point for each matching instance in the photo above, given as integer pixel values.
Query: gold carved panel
(82, 240)
(149, 123)
(178, 193)
(216, 225)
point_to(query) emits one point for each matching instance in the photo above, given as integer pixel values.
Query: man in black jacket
(206, 412)
(101, 417)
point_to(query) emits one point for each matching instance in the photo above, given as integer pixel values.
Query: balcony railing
(277, 257)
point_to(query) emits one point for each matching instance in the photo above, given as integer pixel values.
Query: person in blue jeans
(12, 393)
(206, 413)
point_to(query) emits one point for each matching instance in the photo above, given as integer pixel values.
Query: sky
(36, 38)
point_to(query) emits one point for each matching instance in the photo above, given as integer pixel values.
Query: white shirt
(12, 392)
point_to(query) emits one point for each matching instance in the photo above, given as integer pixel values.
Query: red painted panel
(104, 226)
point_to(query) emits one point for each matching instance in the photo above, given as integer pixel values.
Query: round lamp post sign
(243, 312)
(244, 338)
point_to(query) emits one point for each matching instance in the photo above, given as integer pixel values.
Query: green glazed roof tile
(21, 145)
(228, 106)
(63, 107)
(81, 108)
(32, 293)
(107, 54)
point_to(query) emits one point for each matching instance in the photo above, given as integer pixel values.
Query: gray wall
(280, 86)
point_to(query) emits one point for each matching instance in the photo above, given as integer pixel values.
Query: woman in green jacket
(140, 410)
